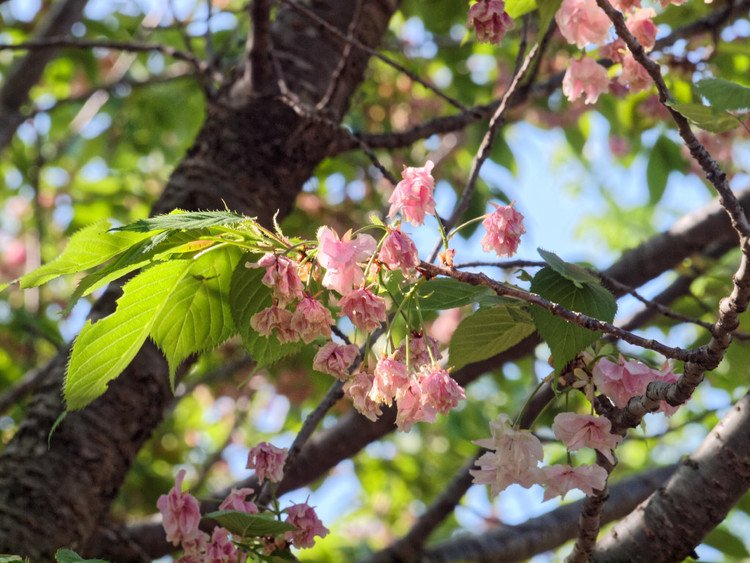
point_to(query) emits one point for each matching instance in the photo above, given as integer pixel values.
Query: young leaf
(180, 220)
(572, 272)
(487, 333)
(249, 525)
(724, 95)
(446, 293)
(196, 315)
(566, 339)
(247, 296)
(87, 248)
(705, 117)
(103, 349)
(664, 158)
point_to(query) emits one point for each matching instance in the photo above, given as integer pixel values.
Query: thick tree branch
(259, 57)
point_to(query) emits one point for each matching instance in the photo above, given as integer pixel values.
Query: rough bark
(253, 153)
(674, 520)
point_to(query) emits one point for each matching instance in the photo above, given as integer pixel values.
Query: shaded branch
(259, 59)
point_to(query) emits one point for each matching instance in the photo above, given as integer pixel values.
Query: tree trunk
(254, 153)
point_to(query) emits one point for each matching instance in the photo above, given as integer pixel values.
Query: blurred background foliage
(104, 129)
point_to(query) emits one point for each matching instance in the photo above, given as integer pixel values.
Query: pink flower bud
(180, 512)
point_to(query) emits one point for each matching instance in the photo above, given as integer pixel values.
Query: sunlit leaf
(249, 525)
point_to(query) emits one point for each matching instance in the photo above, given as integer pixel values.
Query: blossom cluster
(181, 517)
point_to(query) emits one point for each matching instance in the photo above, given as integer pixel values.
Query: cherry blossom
(274, 318)
(340, 258)
(236, 501)
(221, 549)
(626, 5)
(504, 228)
(365, 309)
(311, 320)
(308, 525)
(194, 549)
(440, 392)
(281, 276)
(413, 195)
(358, 388)
(399, 252)
(587, 77)
(389, 376)
(180, 512)
(335, 359)
(582, 22)
(268, 461)
(634, 76)
(559, 479)
(410, 406)
(490, 21)
(614, 51)
(578, 431)
(641, 25)
(418, 352)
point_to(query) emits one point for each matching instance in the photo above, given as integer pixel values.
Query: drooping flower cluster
(413, 196)
(268, 461)
(504, 228)
(489, 19)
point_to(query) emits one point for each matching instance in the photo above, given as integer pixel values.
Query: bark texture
(254, 153)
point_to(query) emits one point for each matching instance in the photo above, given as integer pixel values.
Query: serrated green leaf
(517, 8)
(487, 333)
(575, 273)
(184, 220)
(87, 248)
(249, 525)
(566, 339)
(705, 117)
(103, 349)
(724, 95)
(726, 542)
(196, 315)
(247, 296)
(446, 293)
(70, 556)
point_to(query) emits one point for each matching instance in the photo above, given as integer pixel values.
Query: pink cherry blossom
(358, 388)
(418, 352)
(194, 549)
(411, 407)
(614, 51)
(634, 76)
(585, 77)
(340, 258)
(668, 376)
(559, 479)
(489, 19)
(268, 461)
(389, 376)
(399, 252)
(578, 431)
(365, 309)
(180, 512)
(504, 228)
(582, 22)
(640, 23)
(274, 318)
(629, 378)
(236, 501)
(335, 359)
(413, 195)
(281, 276)
(626, 5)
(221, 549)
(439, 390)
(311, 320)
(308, 525)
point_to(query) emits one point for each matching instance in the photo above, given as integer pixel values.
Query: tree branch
(259, 59)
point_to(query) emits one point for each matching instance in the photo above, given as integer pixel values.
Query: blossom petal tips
(413, 195)
(504, 228)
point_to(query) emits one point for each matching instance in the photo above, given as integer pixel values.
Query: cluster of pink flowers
(489, 19)
(626, 379)
(515, 455)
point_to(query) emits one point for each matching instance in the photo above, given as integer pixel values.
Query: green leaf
(70, 556)
(103, 349)
(180, 220)
(517, 8)
(547, 11)
(249, 525)
(3, 287)
(446, 293)
(196, 315)
(87, 248)
(573, 272)
(705, 117)
(487, 333)
(664, 158)
(247, 296)
(724, 95)
(10, 558)
(565, 339)
(726, 542)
